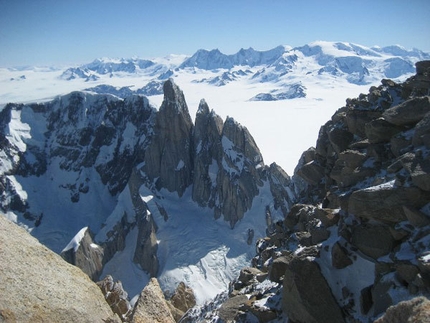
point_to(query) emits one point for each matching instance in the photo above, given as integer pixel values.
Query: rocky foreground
(356, 248)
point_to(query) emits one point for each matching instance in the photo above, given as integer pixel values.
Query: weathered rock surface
(116, 297)
(151, 306)
(37, 285)
(231, 309)
(416, 310)
(183, 298)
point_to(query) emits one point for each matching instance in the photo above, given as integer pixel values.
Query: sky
(61, 32)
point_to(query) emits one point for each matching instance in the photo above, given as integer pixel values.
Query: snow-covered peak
(400, 51)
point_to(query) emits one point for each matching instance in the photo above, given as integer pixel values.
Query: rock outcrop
(151, 306)
(37, 285)
(116, 297)
(168, 159)
(85, 254)
(181, 301)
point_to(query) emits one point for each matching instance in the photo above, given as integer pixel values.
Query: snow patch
(76, 241)
(180, 165)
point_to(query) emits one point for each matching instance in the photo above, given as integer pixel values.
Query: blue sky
(46, 32)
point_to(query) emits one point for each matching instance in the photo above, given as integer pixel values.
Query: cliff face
(168, 159)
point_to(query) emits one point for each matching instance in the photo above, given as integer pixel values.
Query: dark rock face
(307, 296)
(207, 137)
(169, 156)
(238, 178)
(87, 255)
(228, 168)
(96, 137)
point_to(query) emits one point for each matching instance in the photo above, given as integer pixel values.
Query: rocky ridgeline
(359, 240)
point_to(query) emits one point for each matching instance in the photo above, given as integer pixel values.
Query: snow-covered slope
(276, 93)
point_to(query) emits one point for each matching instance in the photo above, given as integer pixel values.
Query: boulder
(385, 202)
(37, 285)
(417, 218)
(311, 172)
(380, 130)
(278, 268)
(416, 310)
(340, 139)
(231, 308)
(347, 176)
(298, 215)
(328, 217)
(419, 169)
(339, 256)
(249, 274)
(356, 120)
(400, 143)
(423, 68)
(422, 132)
(262, 312)
(409, 112)
(151, 306)
(406, 272)
(372, 240)
(319, 235)
(306, 296)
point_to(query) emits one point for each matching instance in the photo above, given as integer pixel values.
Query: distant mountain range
(283, 66)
